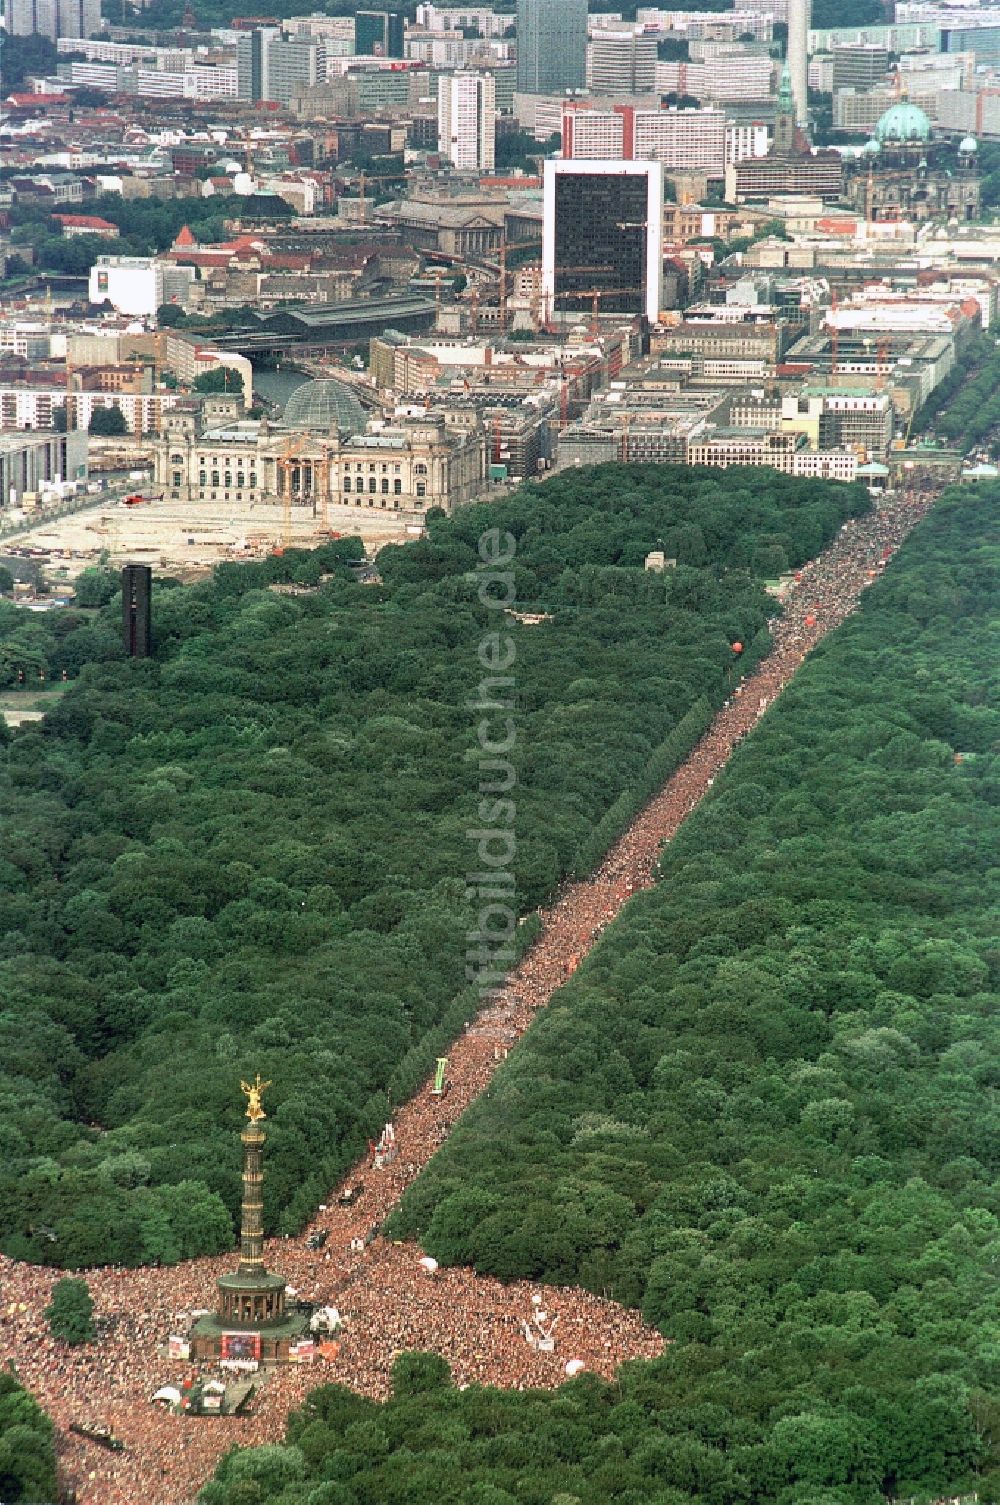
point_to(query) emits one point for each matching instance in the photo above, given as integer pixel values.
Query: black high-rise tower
(137, 591)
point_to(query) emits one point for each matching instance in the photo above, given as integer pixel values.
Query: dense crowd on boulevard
(389, 1300)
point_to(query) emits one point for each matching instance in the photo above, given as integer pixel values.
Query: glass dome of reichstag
(903, 122)
(322, 406)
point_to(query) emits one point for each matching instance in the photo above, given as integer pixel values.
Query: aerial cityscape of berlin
(500, 752)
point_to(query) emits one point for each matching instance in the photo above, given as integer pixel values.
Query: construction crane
(563, 401)
(595, 296)
(505, 246)
(376, 177)
(291, 464)
(439, 274)
(502, 300)
(834, 334)
(881, 362)
(869, 195)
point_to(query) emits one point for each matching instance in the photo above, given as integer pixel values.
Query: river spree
(277, 386)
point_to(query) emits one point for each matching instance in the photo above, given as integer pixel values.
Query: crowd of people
(389, 1300)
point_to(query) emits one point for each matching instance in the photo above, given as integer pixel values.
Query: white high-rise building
(467, 119)
(621, 62)
(138, 285)
(799, 15)
(682, 140)
(743, 141)
(53, 18)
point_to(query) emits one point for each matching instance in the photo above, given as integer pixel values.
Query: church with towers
(904, 173)
(791, 166)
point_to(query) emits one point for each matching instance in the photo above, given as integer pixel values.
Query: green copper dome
(322, 406)
(903, 122)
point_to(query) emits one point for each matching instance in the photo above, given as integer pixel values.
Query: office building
(138, 285)
(270, 66)
(983, 41)
(602, 237)
(251, 61)
(733, 73)
(787, 452)
(30, 463)
(744, 141)
(53, 18)
(682, 140)
(467, 121)
(378, 33)
(292, 63)
(551, 46)
(859, 67)
(592, 133)
(861, 109)
(621, 62)
(850, 418)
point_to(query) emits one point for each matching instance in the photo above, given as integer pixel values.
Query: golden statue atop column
(251, 1320)
(254, 1090)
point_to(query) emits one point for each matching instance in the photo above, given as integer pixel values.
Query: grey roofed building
(323, 406)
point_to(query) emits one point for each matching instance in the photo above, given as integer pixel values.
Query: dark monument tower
(250, 1321)
(137, 591)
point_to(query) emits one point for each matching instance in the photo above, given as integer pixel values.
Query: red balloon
(737, 647)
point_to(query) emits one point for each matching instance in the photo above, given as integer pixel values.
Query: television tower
(799, 17)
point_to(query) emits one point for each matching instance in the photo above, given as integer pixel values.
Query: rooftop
(324, 405)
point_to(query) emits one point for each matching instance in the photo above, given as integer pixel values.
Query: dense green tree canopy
(250, 851)
(965, 407)
(71, 1311)
(144, 226)
(27, 1455)
(785, 1153)
(108, 421)
(219, 379)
